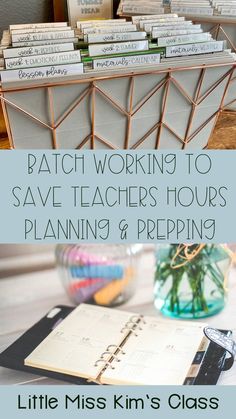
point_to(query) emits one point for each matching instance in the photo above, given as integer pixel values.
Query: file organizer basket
(153, 109)
(222, 28)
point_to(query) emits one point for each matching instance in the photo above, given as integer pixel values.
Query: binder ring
(131, 330)
(134, 325)
(107, 364)
(131, 326)
(136, 318)
(111, 354)
(116, 348)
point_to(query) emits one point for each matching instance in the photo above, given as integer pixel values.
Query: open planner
(109, 346)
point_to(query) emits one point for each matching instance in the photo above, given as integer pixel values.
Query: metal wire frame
(94, 89)
(218, 30)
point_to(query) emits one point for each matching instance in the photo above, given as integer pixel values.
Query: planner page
(161, 353)
(75, 345)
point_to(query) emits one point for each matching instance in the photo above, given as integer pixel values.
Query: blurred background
(34, 11)
(21, 11)
(16, 259)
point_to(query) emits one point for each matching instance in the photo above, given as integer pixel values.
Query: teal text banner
(141, 196)
(167, 402)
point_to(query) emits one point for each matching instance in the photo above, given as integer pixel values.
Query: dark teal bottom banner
(113, 401)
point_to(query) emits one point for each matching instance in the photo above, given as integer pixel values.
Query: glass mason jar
(102, 274)
(190, 280)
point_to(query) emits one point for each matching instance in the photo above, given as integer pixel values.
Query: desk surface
(26, 298)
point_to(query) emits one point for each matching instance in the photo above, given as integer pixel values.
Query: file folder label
(40, 50)
(123, 62)
(117, 48)
(42, 73)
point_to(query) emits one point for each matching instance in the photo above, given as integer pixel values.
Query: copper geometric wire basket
(158, 109)
(218, 32)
